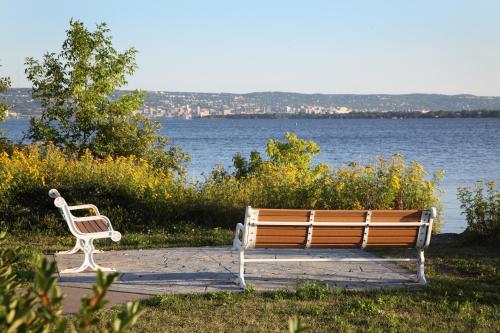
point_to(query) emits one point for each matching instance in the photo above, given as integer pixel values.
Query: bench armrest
(238, 242)
(77, 207)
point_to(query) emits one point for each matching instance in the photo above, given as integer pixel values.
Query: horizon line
(295, 92)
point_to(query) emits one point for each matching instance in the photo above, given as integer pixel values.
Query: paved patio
(204, 269)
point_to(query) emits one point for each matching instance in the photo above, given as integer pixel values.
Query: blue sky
(439, 46)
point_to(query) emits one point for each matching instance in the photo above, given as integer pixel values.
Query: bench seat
(91, 226)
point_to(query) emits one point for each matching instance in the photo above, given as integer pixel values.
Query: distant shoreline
(350, 115)
(365, 115)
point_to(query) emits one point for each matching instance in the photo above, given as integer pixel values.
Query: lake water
(467, 149)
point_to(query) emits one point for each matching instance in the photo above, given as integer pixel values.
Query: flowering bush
(296, 183)
(131, 192)
(481, 210)
(138, 196)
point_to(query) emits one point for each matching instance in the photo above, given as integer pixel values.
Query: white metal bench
(295, 228)
(85, 229)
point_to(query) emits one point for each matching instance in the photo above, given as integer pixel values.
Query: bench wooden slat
(319, 231)
(283, 212)
(281, 228)
(337, 239)
(82, 227)
(396, 216)
(383, 240)
(334, 245)
(281, 231)
(295, 215)
(393, 231)
(102, 225)
(281, 239)
(280, 245)
(288, 218)
(400, 244)
(91, 226)
(340, 216)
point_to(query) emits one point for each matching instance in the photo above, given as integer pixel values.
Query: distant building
(204, 113)
(343, 109)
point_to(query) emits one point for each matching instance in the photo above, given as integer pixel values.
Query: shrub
(287, 179)
(481, 210)
(137, 196)
(133, 193)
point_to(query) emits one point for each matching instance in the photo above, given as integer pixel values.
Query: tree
(4, 85)
(77, 89)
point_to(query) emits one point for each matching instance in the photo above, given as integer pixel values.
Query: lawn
(463, 294)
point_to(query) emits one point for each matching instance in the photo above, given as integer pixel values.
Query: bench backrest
(297, 228)
(61, 204)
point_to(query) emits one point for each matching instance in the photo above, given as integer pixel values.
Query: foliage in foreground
(136, 195)
(482, 210)
(38, 307)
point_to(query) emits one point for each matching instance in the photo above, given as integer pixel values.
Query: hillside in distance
(190, 104)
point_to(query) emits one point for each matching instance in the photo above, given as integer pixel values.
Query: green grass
(437, 308)
(463, 294)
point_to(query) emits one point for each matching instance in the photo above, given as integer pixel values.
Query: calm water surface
(467, 149)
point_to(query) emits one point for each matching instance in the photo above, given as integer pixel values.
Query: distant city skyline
(331, 47)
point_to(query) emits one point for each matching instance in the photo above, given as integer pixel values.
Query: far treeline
(368, 115)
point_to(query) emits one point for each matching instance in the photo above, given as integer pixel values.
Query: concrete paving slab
(73, 295)
(186, 270)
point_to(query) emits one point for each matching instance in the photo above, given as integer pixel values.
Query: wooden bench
(294, 228)
(85, 229)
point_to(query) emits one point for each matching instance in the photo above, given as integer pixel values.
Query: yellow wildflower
(395, 182)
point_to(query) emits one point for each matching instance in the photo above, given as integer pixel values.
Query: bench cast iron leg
(421, 267)
(88, 261)
(241, 271)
